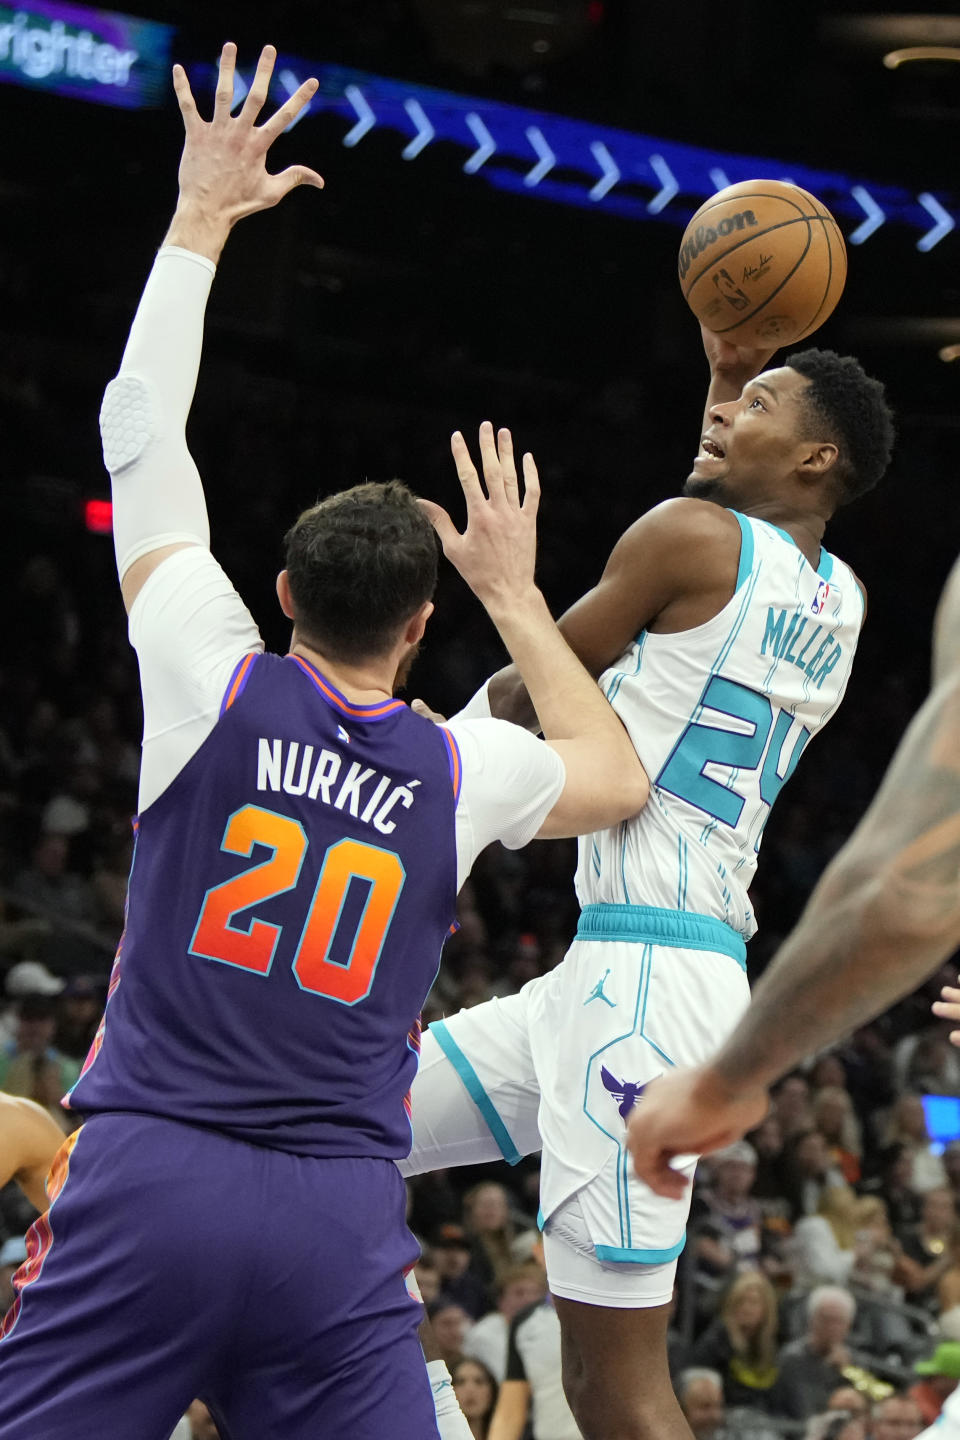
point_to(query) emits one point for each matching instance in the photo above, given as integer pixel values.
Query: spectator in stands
(807, 1172)
(898, 1417)
(849, 1399)
(451, 1324)
(926, 1064)
(700, 1393)
(849, 1241)
(49, 886)
(30, 1065)
(428, 1278)
(452, 1254)
(930, 1249)
(476, 1389)
(490, 1226)
(767, 1142)
(519, 1287)
(812, 1367)
(78, 1015)
(836, 1120)
(892, 1184)
(791, 1105)
(835, 1425)
(726, 1221)
(951, 1165)
(740, 1345)
(908, 1126)
(532, 1390)
(939, 1375)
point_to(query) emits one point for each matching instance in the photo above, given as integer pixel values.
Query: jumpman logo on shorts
(597, 993)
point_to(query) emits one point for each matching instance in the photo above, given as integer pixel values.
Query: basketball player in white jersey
(884, 915)
(723, 634)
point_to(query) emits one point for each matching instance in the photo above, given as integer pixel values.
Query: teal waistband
(649, 925)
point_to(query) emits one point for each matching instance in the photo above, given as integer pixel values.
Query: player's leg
(615, 1373)
(476, 1096)
(610, 1244)
(613, 1322)
(327, 1341)
(126, 1286)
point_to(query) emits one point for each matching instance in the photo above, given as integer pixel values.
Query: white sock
(451, 1421)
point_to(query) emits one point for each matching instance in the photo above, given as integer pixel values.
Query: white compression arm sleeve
(157, 493)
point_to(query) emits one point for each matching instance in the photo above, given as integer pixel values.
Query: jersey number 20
(252, 947)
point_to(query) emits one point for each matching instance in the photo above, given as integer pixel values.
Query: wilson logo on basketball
(706, 235)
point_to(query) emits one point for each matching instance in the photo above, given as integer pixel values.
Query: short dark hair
(360, 564)
(853, 409)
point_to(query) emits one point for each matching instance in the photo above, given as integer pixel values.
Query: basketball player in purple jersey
(229, 1220)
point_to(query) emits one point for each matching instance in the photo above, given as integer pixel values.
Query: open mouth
(712, 449)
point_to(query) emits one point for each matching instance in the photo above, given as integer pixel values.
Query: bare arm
(676, 566)
(509, 1419)
(29, 1139)
(605, 781)
(884, 915)
(664, 556)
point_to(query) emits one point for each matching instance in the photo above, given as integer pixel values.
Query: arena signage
(96, 55)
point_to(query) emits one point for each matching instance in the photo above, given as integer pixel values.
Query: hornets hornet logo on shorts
(625, 1092)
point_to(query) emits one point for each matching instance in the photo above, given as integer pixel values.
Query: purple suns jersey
(289, 897)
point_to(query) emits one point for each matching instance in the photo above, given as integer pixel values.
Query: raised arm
(158, 501)
(605, 781)
(885, 914)
(669, 553)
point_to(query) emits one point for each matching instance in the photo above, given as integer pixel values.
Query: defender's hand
(948, 1008)
(686, 1113)
(223, 171)
(737, 363)
(497, 552)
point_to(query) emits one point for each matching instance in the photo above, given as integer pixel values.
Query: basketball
(762, 263)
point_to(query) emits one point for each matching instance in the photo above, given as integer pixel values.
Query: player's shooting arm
(158, 502)
(887, 910)
(683, 551)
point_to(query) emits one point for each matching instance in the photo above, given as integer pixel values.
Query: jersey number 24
(742, 750)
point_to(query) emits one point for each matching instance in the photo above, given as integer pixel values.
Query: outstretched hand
(948, 1008)
(496, 554)
(223, 170)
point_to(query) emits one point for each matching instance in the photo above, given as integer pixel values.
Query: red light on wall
(98, 516)
(595, 12)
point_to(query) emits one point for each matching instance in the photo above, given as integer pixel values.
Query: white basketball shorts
(562, 1064)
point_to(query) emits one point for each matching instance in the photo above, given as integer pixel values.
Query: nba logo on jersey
(342, 735)
(820, 599)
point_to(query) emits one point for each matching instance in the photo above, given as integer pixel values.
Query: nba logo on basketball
(820, 599)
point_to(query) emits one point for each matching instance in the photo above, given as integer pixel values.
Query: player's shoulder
(684, 520)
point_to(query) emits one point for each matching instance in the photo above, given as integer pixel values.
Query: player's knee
(632, 1412)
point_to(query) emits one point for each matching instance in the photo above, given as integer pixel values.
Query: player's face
(753, 446)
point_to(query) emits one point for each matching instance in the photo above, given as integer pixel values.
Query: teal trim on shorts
(649, 925)
(618, 1256)
(474, 1088)
(541, 1219)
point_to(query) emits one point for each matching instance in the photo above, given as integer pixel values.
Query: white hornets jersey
(719, 716)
